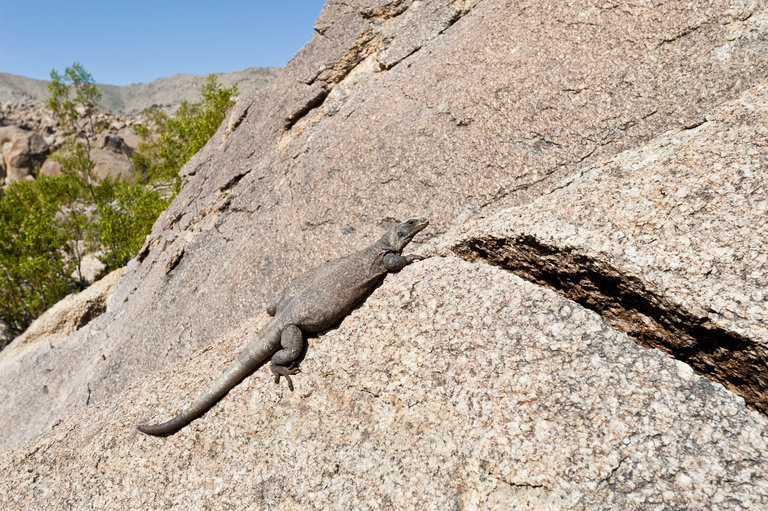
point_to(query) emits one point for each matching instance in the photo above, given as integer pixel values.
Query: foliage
(71, 92)
(120, 228)
(44, 226)
(35, 270)
(168, 142)
(73, 102)
(47, 224)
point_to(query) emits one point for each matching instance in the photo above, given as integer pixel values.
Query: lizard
(315, 301)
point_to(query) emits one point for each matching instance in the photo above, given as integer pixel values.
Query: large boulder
(110, 163)
(113, 142)
(21, 153)
(499, 121)
(50, 168)
(110, 156)
(455, 386)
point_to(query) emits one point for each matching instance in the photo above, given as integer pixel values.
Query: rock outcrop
(21, 153)
(37, 117)
(30, 133)
(610, 152)
(69, 314)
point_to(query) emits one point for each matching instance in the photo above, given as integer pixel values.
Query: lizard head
(401, 234)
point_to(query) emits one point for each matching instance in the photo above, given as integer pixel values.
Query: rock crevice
(629, 306)
(389, 36)
(666, 243)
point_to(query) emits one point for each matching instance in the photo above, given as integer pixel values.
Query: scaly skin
(315, 301)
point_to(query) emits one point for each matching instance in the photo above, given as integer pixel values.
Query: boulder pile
(21, 153)
(29, 133)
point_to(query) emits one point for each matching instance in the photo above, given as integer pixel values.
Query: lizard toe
(284, 371)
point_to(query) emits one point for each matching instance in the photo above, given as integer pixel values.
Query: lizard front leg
(282, 363)
(395, 262)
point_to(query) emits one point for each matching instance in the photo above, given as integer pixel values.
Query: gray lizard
(315, 301)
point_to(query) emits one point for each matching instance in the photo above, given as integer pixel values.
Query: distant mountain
(166, 93)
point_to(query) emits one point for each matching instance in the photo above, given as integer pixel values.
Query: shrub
(73, 102)
(36, 251)
(168, 142)
(128, 213)
(45, 224)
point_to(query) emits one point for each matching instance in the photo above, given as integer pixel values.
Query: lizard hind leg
(284, 361)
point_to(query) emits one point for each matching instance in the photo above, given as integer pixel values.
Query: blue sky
(137, 41)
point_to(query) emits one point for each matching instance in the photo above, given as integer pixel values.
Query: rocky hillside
(29, 132)
(587, 333)
(166, 93)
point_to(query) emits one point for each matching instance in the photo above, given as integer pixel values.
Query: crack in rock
(626, 304)
(371, 41)
(387, 11)
(235, 121)
(367, 44)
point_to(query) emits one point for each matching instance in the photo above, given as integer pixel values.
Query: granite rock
(67, 315)
(455, 386)
(669, 242)
(457, 111)
(110, 163)
(44, 336)
(91, 269)
(50, 168)
(21, 153)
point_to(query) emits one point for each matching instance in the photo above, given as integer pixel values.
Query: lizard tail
(235, 373)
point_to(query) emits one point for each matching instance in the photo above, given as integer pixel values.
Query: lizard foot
(286, 372)
(412, 258)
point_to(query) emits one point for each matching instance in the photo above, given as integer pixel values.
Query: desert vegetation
(49, 223)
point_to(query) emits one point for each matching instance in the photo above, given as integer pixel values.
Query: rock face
(612, 153)
(21, 153)
(46, 334)
(456, 386)
(667, 241)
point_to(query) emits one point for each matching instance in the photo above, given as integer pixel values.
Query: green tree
(46, 224)
(121, 213)
(36, 246)
(168, 142)
(73, 101)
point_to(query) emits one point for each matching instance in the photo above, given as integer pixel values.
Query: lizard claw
(285, 372)
(412, 258)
